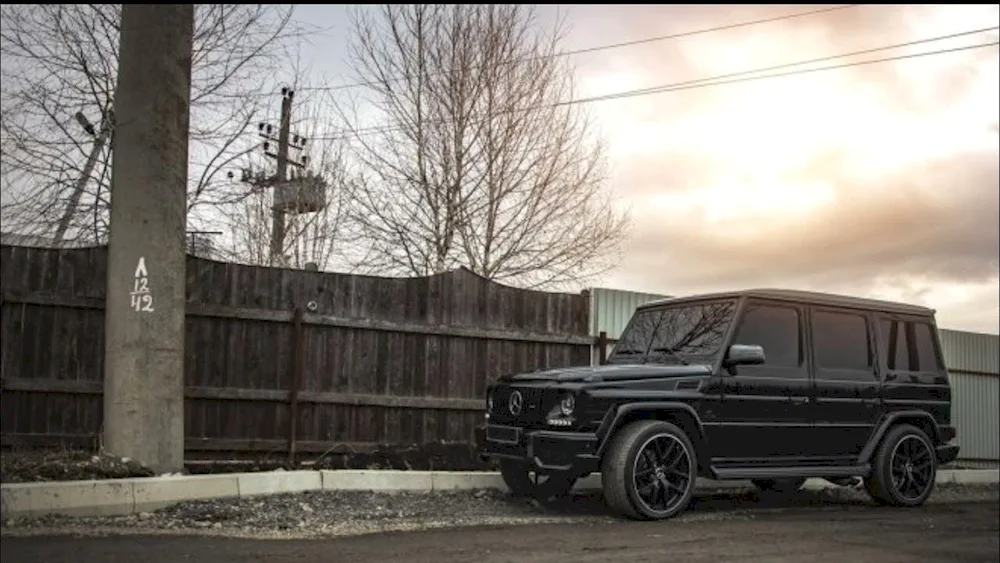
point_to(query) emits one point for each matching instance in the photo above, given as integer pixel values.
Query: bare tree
(315, 237)
(60, 61)
(482, 162)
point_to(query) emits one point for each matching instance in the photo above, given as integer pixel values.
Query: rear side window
(927, 353)
(909, 346)
(774, 328)
(896, 347)
(841, 341)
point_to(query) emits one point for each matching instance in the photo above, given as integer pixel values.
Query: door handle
(798, 400)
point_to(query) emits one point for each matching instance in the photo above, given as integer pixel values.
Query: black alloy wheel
(649, 471)
(911, 467)
(661, 473)
(905, 468)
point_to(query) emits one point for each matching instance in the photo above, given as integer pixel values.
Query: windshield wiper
(628, 352)
(673, 353)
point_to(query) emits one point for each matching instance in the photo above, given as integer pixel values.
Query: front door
(762, 416)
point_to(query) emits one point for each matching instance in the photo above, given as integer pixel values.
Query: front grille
(535, 404)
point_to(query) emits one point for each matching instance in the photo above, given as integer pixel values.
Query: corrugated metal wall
(976, 415)
(971, 351)
(610, 311)
(973, 360)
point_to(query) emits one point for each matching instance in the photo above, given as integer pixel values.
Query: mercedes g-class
(771, 386)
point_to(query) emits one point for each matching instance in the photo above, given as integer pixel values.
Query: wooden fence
(281, 360)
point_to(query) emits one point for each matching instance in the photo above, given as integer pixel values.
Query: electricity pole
(107, 125)
(193, 241)
(278, 223)
(145, 300)
(280, 180)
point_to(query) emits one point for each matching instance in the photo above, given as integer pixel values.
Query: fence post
(296, 382)
(602, 348)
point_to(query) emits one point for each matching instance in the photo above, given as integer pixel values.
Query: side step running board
(738, 473)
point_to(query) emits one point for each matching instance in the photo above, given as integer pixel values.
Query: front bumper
(544, 450)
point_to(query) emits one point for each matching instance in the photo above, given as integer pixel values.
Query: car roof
(798, 296)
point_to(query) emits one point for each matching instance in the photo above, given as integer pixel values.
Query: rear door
(915, 377)
(847, 399)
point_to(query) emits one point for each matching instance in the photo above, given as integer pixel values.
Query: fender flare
(869, 450)
(607, 429)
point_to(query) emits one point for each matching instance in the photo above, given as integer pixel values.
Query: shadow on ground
(592, 503)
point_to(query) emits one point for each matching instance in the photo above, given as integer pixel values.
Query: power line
(655, 89)
(621, 44)
(731, 78)
(674, 88)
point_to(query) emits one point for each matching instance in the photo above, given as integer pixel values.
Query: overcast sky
(878, 181)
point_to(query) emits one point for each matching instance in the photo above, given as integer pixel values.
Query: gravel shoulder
(327, 514)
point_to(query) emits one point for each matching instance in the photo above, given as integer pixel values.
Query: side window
(841, 341)
(774, 328)
(909, 346)
(927, 353)
(897, 351)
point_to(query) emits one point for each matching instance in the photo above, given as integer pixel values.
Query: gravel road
(830, 531)
(324, 514)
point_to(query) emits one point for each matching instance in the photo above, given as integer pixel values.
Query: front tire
(524, 482)
(905, 468)
(649, 471)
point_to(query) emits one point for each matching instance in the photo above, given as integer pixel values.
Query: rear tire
(905, 468)
(780, 486)
(649, 471)
(525, 482)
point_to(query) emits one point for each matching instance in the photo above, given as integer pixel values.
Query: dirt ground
(941, 532)
(959, 523)
(66, 465)
(26, 466)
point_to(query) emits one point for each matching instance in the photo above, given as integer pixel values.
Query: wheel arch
(920, 419)
(680, 414)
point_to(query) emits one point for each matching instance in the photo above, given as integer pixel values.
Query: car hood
(611, 373)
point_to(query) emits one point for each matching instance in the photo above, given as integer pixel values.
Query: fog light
(567, 404)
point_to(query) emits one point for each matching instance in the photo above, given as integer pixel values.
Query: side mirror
(745, 355)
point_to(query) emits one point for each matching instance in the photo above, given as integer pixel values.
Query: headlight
(567, 404)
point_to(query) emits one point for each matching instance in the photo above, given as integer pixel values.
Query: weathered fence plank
(381, 360)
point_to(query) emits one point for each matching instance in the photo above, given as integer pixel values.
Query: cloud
(878, 180)
(875, 180)
(939, 221)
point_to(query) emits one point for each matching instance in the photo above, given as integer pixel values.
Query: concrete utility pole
(278, 222)
(280, 181)
(107, 126)
(144, 326)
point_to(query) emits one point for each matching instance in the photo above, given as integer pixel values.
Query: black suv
(773, 386)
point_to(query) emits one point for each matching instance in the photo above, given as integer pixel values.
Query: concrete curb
(117, 497)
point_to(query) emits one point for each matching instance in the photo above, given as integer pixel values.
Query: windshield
(675, 334)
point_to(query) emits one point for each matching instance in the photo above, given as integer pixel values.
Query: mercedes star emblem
(516, 402)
